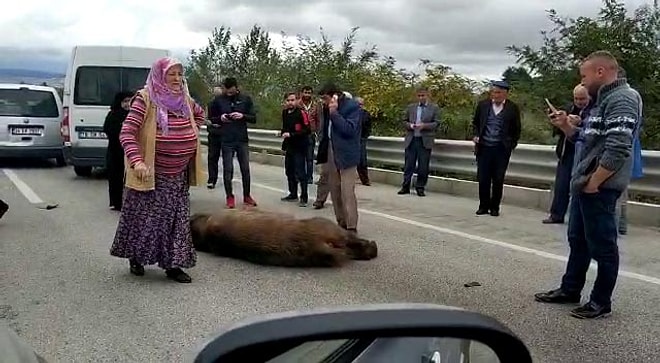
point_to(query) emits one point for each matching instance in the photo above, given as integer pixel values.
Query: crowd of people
(154, 156)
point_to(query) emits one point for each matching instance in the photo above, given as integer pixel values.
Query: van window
(97, 86)
(25, 102)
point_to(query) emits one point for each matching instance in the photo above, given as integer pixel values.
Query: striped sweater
(608, 137)
(174, 150)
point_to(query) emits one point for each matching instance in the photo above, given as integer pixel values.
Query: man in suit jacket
(339, 152)
(421, 120)
(496, 131)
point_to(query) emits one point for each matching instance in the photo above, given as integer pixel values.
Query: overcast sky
(468, 35)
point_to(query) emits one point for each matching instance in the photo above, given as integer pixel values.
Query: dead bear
(275, 239)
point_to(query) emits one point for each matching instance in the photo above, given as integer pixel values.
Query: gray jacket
(430, 119)
(608, 137)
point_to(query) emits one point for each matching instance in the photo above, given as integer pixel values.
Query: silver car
(30, 122)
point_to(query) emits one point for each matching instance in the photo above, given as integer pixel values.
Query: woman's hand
(142, 171)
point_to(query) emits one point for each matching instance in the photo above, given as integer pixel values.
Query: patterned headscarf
(165, 98)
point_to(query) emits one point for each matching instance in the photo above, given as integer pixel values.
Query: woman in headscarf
(160, 137)
(114, 157)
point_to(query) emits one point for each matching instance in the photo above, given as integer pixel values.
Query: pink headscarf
(166, 99)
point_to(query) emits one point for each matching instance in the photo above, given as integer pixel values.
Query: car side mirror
(371, 333)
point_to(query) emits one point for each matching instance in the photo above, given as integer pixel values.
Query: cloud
(470, 36)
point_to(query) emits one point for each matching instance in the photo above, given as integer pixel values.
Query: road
(63, 292)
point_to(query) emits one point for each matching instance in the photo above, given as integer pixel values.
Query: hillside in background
(29, 76)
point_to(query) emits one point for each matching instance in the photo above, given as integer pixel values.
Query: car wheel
(83, 170)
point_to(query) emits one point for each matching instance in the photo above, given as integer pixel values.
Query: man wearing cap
(496, 130)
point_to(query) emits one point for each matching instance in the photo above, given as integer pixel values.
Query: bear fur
(276, 239)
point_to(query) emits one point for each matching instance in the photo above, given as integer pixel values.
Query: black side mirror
(373, 333)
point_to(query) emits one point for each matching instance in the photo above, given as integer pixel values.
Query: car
(30, 122)
(93, 76)
(426, 333)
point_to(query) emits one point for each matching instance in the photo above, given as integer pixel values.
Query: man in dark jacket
(565, 154)
(339, 152)
(214, 139)
(496, 129)
(235, 111)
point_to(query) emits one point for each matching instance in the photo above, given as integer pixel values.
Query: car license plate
(26, 131)
(92, 135)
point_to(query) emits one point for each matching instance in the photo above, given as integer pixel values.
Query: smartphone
(552, 107)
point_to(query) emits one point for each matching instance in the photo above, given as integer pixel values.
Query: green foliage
(266, 72)
(631, 38)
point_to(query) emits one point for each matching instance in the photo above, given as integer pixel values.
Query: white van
(94, 75)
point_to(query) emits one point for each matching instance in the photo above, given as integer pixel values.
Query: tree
(631, 38)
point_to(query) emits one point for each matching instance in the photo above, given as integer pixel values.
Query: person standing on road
(308, 106)
(496, 128)
(323, 188)
(339, 152)
(214, 140)
(420, 122)
(160, 137)
(114, 157)
(295, 132)
(235, 110)
(565, 151)
(602, 171)
(365, 121)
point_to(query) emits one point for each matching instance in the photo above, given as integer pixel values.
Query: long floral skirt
(154, 226)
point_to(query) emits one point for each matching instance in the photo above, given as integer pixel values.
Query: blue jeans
(592, 233)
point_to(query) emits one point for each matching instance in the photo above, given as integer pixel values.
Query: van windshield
(97, 86)
(24, 102)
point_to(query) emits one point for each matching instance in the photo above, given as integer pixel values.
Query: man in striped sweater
(603, 166)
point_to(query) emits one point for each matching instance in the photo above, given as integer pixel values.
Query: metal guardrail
(531, 165)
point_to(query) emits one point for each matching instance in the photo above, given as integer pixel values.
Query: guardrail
(531, 165)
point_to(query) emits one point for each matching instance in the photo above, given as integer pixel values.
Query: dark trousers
(215, 150)
(592, 233)
(416, 156)
(242, 153)
(115, 171)
(492, 163)
(309, 161)
(363, 167)
(295, 169)
(561, 193)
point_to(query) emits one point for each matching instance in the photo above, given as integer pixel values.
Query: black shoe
(420, 193)
(557, 296)
(482, 211)
(210, 185)
(289, 198)
(495, 213)
(136, 268)
(302, 204)
(591, 310)
(404, 191)
(178, 275)
(552, 220)
(4, 207)
(318, 205)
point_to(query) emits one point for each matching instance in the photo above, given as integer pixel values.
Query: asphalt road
(63, 292)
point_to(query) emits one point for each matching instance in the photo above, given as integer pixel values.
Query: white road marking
(25, 189)
(543, 254)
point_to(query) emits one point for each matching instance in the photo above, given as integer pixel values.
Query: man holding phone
(235, 111)
(339, 152)
(603, 165)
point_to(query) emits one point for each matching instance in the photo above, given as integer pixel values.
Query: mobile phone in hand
(551, 106)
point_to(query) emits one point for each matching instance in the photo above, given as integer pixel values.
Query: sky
(468, 35)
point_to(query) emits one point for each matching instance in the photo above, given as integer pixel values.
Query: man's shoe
(591, 310)
(210, 185)
(482, 211)
(420, 193)
(557, 296)
(318, 205)
(495, 213)
(403, 191)
(247, 200)
(551, 220)
(289, 198)
(231, 202)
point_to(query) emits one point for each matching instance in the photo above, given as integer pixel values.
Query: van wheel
(83, 170)
(61, 161)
